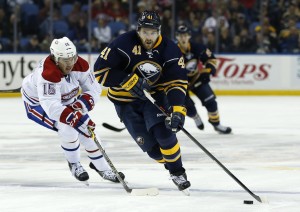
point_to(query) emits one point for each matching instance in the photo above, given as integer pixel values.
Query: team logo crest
(191, 66)
(149, 70)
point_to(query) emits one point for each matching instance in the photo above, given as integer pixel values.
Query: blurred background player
(144, 59)
(50, 97)
(199, 79)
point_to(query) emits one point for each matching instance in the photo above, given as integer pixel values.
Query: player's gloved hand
(135, 85)
(210, 69)
(81, 123)
(205, 75)
(84, 102)
(176, 118)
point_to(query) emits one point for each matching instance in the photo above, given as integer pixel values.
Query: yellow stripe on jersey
(119, 94)
(179, 109)
(171, 151)
(101, 75)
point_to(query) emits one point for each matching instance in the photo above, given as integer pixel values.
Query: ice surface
(263, 153)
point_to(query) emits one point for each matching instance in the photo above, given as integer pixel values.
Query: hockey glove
(176, 118)
(135, 85)
(85, 103)
(205, 75)
(81, 123)
(210, 69)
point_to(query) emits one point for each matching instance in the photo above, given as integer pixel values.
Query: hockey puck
(248, 202)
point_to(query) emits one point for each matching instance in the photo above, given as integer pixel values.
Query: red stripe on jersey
(39, 116)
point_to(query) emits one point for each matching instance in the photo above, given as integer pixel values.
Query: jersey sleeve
(174, 77)
(87, 80)
(109, 66)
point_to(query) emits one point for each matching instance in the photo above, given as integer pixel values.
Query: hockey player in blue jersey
(144, 59)
(199, 79)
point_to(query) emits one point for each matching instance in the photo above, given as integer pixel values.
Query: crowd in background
(225, 26)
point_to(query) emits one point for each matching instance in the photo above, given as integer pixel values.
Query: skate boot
(108, 174)
(180, 180)
(222, 129)
(78, 171)
(198, 122)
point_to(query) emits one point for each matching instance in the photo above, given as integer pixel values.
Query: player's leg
(168, 148)
(98, 162)
(208, 99)
(38, 115)
(139, 119)
(192, 112)
(69, 139)
(71, 148)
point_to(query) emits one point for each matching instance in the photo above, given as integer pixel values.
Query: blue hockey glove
(210, 69)
(205, 75)
(135, 85)
(176, 118)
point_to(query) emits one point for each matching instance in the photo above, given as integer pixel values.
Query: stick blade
(110, 127)
(144, 192)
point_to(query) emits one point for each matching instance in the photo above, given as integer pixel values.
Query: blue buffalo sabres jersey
(163, 67)
(193, 55)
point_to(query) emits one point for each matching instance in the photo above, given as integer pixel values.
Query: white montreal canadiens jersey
(48, 87)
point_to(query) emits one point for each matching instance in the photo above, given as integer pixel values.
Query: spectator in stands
(102, 32)
(225, 40)
(246, 40)
(33, 45)
(79, 35)
(269, 36)
(289, 38)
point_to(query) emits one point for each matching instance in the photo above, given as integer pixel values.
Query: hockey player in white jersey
(51, 99)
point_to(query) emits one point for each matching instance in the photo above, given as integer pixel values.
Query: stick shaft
(125, 186)
(205, 150)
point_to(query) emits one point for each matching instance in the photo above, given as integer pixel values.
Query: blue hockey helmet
(149, 19)
(182, 29)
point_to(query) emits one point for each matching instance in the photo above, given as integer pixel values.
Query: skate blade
(186, 192)
(144, 192)
(86, 183)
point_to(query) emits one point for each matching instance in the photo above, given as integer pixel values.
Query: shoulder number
(181, 62)
(105, 53)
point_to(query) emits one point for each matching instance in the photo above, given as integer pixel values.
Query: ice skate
(78, 172)
(108, 174)
(222, 129)
(180, 180)
(198, 122)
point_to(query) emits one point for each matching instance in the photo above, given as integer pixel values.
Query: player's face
(148, 37)
(183, 39)
(66, 64)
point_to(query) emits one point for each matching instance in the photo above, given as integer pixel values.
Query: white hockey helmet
(63, 48)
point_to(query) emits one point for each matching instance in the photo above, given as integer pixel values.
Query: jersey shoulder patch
(51, 71)
(81, 65)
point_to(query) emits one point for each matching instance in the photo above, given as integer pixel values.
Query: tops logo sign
(245, 72)
(230, 69)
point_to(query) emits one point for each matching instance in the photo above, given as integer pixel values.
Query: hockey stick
(259, 199)
(110, 127)
(135, 191)
(17, 90)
